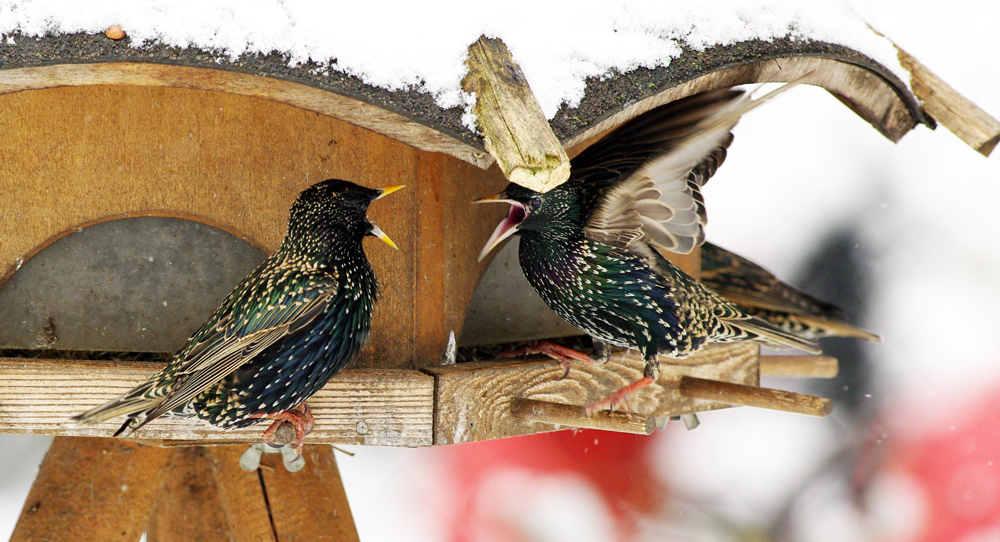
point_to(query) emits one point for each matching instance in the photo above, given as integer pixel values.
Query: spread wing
(655, 165)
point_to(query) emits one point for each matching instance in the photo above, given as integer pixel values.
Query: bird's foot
(618, 399)
(550, 349)
(299, 417)
(563, 354)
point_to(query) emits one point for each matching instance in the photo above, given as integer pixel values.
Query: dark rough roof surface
(603, 96)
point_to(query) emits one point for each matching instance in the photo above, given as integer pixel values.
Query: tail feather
(119, 407)
(774, 337)
(835, 328)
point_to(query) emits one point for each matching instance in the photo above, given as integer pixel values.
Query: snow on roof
(422, 46)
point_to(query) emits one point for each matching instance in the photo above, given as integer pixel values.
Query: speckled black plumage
(765, 296)
(288, 327)
(589, 247)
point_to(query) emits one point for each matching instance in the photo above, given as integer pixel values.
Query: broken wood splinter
(530, 410)
(515, 130)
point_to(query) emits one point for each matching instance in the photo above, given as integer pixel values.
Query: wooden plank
(514, 128)
(188, 508)
(467, 228)
(310, 504)
(737, 394)
(241, 496)
(97, 153)
(387, 407)
(90, 489)
(473, 399)
(356, 112)
(803, 366)
(975, 127)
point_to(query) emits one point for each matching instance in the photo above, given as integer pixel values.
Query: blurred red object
(615, 465)
(959, 469)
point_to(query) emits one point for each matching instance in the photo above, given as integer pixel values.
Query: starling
(589, 247)
(285, 330)
(763, 295)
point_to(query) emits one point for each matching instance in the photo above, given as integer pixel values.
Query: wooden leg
(310, 504)
(241, 495)
(93, 489)
(188, 508)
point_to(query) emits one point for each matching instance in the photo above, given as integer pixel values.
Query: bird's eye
(535, 202)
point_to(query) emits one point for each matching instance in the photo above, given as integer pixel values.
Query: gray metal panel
(135, 284)
(505, 308)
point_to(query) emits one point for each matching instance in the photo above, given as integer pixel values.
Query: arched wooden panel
(71, 156)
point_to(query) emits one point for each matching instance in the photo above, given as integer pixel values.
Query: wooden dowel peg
(738, 394)
(530, 410)
(804, 366)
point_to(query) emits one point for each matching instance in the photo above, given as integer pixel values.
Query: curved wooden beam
(356, 112)
(868, 94)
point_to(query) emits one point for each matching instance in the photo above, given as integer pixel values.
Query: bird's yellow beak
(508, 226)
(377, 232)
(386, 190)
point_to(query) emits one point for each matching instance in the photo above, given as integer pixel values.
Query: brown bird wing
(662, 159)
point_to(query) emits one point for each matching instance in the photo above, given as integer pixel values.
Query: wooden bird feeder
(94, 131)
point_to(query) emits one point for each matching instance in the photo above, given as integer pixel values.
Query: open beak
(385, 191)
(508, 226)
(377, 232)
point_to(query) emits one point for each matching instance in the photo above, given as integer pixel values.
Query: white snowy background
(926, 209)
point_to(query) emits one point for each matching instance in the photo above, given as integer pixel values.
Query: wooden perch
(451, 404)
(386, 407)
(474, 399)
(804, 366)
(574, 416)
(738, 394)
(515, 130)
(964, 118)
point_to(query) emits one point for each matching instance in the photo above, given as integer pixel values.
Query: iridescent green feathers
(282, 332)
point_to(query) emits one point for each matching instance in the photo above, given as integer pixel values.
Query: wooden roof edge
(870, 89)
(412, 117)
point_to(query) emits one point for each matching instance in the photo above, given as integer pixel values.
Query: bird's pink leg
(618, 399)
(564, 355)
(300, 418)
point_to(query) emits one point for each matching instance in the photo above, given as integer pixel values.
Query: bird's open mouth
(508, 226)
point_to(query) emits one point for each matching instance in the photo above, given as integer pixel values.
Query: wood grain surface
(377, 407)
(474, 399)
(514, 128)
(98, 490)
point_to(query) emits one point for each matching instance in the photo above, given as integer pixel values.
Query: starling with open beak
(589, 247)
(285, 330)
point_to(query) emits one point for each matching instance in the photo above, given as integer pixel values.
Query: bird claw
(555, 351)
(301, 420)
(618, 399)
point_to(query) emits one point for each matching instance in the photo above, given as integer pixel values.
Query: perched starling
(763, 295)
(589, 247)
(288, 327)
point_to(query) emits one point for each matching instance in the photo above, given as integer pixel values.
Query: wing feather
(662, 162)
